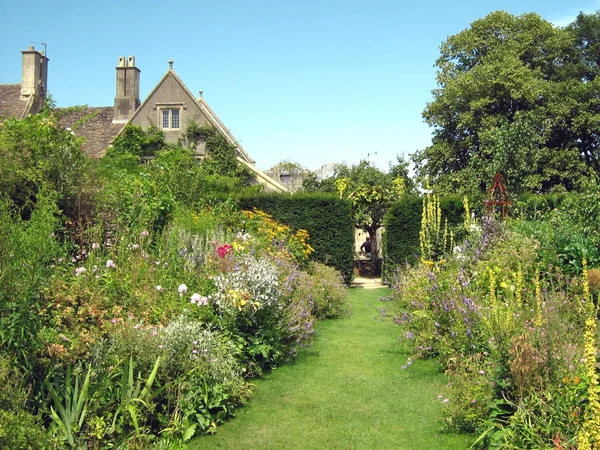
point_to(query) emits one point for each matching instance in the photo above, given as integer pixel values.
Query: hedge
(402, 225)
(328, 219)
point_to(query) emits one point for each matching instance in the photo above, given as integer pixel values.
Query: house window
(170, 118)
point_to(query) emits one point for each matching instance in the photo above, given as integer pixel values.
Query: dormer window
(170, 118)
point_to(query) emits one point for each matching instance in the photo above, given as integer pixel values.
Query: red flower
(222, 250)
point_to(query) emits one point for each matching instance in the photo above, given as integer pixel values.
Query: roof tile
(94, 124)
(11, 104)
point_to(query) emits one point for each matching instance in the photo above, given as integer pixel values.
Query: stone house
(170, 106)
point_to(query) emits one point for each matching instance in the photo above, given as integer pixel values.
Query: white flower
(110, 263)
(80, 270)
(159, 288)
(95, 245)
(182, 289)
(199, 299)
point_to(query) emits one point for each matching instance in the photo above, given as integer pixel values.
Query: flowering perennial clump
(254, 282)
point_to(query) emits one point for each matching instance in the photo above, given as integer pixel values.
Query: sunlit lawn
(346, 392)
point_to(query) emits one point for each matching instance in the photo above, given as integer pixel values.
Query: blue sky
(311, 81)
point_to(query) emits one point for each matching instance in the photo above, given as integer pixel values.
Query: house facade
(170, 106)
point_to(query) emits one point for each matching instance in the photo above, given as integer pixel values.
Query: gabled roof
(11, 104)
(208, 112)
(94, 124)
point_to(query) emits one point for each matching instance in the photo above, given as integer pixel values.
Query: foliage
(510, 335)
(371, 192)
(433, 237)
(27, 251)
(327, 219)
(19, 428)
(135, 320)
(403, 224)
(329, 296)
(37, 152)
(134, 140)
(515, 95)
(70, 405)
(220, 155)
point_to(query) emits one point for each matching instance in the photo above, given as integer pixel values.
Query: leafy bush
(19, 428)
(37, 154)
(134, 140)
(324, 286)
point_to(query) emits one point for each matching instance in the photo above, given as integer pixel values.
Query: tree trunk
(374, 243)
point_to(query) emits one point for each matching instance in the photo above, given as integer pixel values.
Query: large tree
(370, 190)
(515, 95)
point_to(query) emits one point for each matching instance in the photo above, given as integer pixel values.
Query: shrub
(325, 287)
(19, 428)
(37, 153)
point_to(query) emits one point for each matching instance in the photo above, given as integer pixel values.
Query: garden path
(348, 391)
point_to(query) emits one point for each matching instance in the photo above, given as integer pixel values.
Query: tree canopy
(515, 95)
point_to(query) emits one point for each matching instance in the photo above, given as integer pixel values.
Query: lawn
(348, 391)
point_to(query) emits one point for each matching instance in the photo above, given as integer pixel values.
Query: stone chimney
(34, 80)
(127, 100)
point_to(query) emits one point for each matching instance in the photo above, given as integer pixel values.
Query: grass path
(347, 391)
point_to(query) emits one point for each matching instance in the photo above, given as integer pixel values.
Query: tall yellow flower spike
(589, 436)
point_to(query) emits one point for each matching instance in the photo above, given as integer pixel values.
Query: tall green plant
(70, 404)
(28, 250)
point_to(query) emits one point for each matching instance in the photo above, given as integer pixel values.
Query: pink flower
(222, 250)
(80, 270)
(144, 234)
(110, 263)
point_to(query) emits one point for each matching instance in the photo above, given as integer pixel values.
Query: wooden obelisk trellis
(497, 200)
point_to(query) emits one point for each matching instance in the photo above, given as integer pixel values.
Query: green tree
(512, 97)
(371, 192)
(38, 152)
